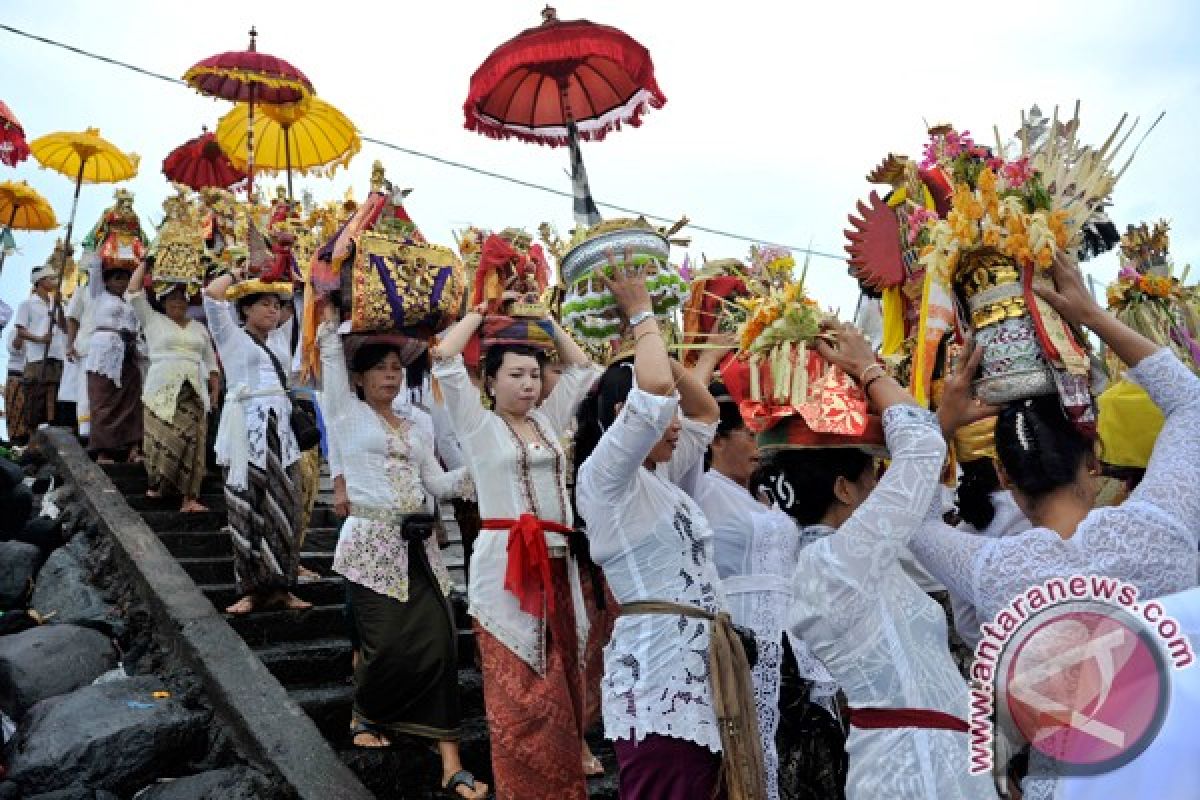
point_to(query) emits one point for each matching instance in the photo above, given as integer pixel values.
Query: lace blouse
(1149, 540)
(882, 638)
(386, 468)
(178, 355)
(253, 384)
(654, 543)
(111, 317)
(512, 478)
(16, 358)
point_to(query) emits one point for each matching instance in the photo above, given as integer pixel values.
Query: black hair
(975, 487)
(1039, 447)
(730, 418)
(245, 301)
(370, 355)
(801, 481)
(156, 302)
(598, 411)
(493, 357)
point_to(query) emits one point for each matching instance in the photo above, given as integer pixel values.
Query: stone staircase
(308, 651)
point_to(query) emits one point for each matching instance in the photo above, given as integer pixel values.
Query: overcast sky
(775, 111)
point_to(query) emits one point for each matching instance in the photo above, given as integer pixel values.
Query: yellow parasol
(310, 135)
(87, 158)
(23, 209)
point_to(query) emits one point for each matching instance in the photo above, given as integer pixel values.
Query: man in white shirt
(44, 343)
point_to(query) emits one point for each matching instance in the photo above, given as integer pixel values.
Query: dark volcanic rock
(48, 661)
(112, 736)
(62, 588)
(232, 783)
(74, 793)
(18, 565)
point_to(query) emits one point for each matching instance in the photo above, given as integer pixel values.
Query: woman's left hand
(959, 407)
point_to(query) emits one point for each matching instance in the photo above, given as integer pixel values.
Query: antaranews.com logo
(1078, 668)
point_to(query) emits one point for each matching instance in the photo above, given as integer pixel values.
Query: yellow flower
(986, 180)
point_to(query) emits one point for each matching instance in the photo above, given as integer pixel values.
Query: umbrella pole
(7, 230)
(287, 158)
(56, 306)
(586, 213)
(250, 147)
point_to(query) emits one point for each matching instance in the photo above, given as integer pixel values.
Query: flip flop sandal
(359, 727)
(460, 778)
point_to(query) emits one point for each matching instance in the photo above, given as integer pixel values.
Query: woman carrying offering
(1150, 540)
(406, 681)
(180, 383)
(882, 639)
(668, 702)
(114, 381)
(1051, 468)
(524, 591)
(256, 445)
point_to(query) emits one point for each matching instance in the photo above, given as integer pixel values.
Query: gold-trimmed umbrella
(23, 209)
(87, 158)
(307, 136)
(251, 77)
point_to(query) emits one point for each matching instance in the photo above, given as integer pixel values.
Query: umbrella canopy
(307, 136)
(13, 148)
(530, 85)
(561, 82)
(248, 76)
(199, 164)
(22, 208)
(84, 156)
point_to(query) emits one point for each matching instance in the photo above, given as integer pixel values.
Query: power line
(431, 157)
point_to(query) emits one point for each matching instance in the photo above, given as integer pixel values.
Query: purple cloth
(666, 768)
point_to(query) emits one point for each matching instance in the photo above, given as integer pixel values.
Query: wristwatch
(639, 318)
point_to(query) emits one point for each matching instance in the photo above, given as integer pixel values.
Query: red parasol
(559, 82)
(199, 164)
(13, 148)
(248, 76)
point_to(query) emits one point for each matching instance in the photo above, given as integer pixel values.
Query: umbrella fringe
(590, 130)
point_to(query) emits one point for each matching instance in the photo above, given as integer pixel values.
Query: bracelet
(866, 387)
(862, 378)
(640, 317)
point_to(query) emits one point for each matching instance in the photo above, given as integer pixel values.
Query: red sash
(905, 718)
(528, 573)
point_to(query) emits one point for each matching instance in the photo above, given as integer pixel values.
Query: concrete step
(139, 502)
(131, 479)
(163, 521)
(330, 690)
(216, 542)
(209, 570)
(330, 590)
(286, 627)
(265, 628)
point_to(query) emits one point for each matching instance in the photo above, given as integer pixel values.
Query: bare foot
(289, 602)
(192, 507)
(591, 764)
(134, 458)
(153, 494)
(369, 739)
(244, 606)
(306, 575)
(104, 460)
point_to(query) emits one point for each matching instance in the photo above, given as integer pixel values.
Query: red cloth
(537, 722)
(528, 572)
(498, 255)
(906, 718)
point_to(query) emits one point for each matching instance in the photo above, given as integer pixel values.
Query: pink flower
(1017, 173)
(917, 220)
